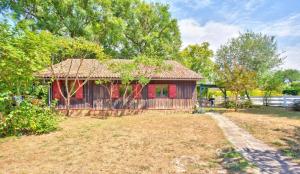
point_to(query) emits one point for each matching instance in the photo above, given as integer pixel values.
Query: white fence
(284, 101)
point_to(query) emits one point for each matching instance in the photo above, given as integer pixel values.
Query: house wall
(97, 97)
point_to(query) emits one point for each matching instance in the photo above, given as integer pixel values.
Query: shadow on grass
(234, 162)
(292, 147)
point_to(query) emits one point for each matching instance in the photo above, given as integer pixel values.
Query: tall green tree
(198, 58)
(125, 28)
(68, 18)
(231, 75)
(255, 52)
(22, 52)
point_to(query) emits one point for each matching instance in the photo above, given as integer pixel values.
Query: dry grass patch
(154, 142)
(277, 127)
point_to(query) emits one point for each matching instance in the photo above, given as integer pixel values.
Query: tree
(79, 49)
(272, 82)
(289, 75)
(290, 78)
(255, 52)
(139, 71)
(22, 53)
(125, 28)
(198, 58)
(65, 18)
(231, 75)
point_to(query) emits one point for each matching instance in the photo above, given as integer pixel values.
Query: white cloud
(288, 26)
(293, 57)
(217, 33)
(253, 4)
(213, 32)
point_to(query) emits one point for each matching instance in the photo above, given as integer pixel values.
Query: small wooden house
(171, 89)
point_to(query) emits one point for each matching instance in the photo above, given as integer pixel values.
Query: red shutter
(115, 91)
(55, 89)
(151, 91)
(137, 91)
(79, 92)
(172, 91)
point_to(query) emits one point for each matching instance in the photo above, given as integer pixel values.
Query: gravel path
(266, 158)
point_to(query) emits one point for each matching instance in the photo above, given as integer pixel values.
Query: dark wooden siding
(97, 97)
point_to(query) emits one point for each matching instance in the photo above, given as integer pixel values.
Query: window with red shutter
(137, 91)
(151, 91)
(162, 91)
(115, 91)
(55, 89)
(172, 91)
(79, 92)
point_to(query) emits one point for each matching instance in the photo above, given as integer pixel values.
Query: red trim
(137, 91)
(151, 91)
(172, 91)
(79, 92)
(115, 91)
(55, 89)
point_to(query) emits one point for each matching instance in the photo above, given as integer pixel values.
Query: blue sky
(216, 21)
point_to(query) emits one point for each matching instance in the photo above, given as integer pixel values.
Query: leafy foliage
(28, 119)
(141, 69)
(272, 82)
(125, 28)
(77, 48)
(22, 53)
(6, 103)
(138, 71)
(198, 58)
(246, 62)
(242, 105)
(232, 76)
(288, 75)
(256, 52)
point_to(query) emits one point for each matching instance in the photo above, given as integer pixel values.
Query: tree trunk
(247, 94)
(225, 95)
(267, 96)
(236, 103)
(68, 106)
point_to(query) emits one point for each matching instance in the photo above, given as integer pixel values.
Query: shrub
(290, 92)
(28, 119)
(229, 104)
(244, 104)
(6, 102)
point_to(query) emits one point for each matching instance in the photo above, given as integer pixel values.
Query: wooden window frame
(161, 87)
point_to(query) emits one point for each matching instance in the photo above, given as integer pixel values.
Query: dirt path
(266, 158)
